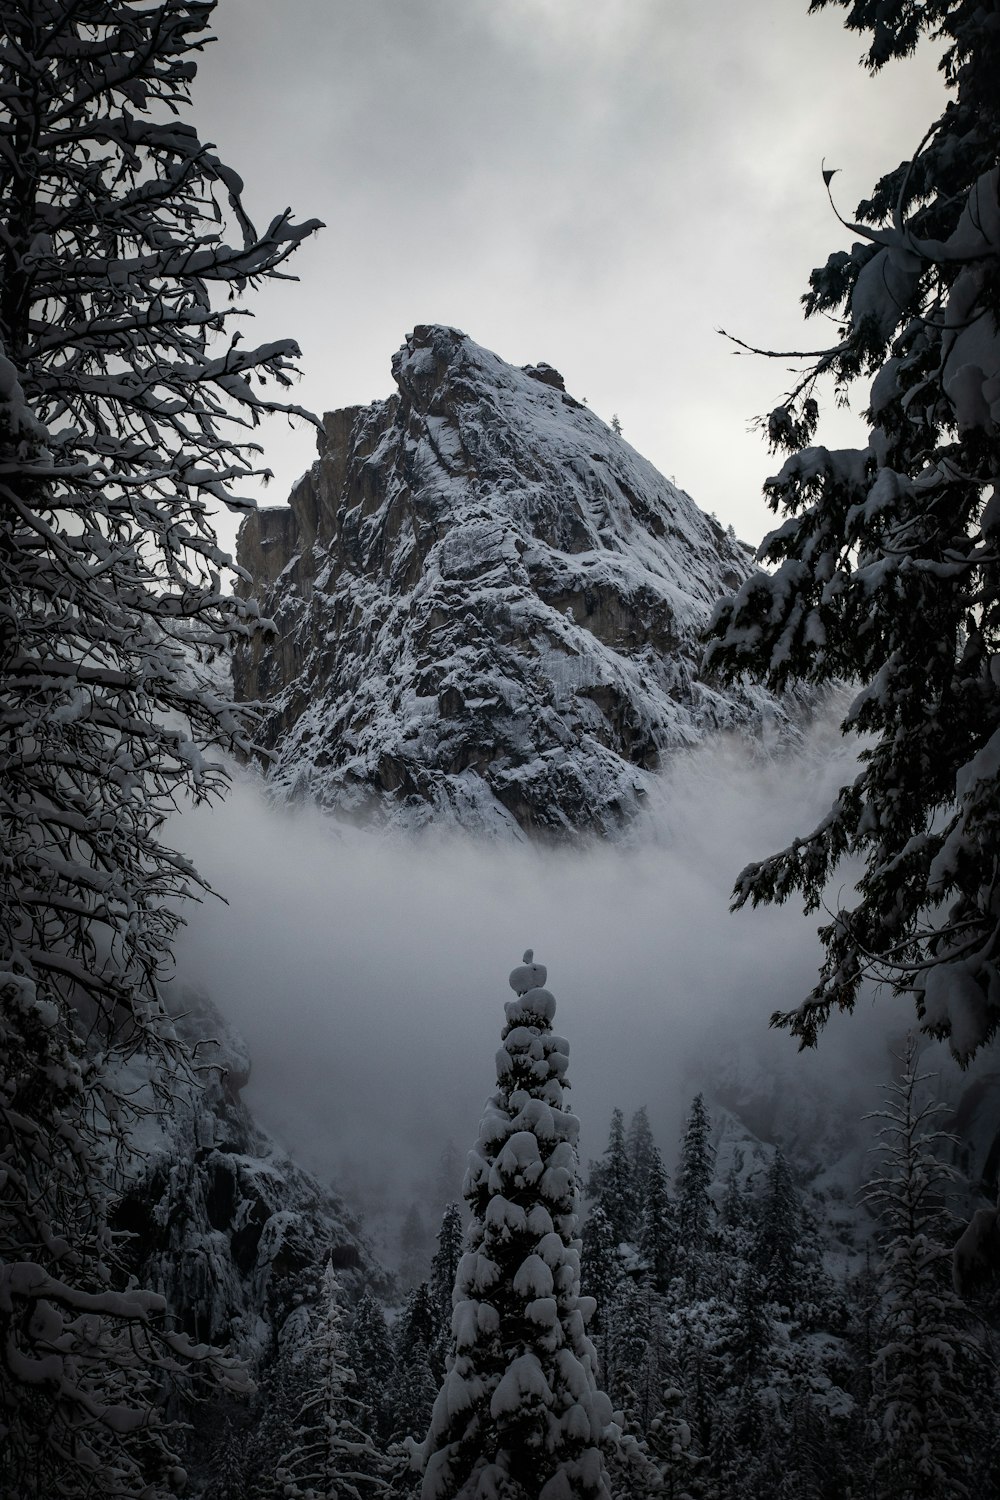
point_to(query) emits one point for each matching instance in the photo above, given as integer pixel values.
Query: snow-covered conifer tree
(371, 1356)
(329, 1457)
(602, 1272)
(641, 1149)
(695, 1209)
(658, 1227)
(927, 1363)
(413, 1387)
(629, 1373)
(125, 402)
(681, 1468)
(125, 411)
(752, 1322)
(519, 1415)
(883, 570)
(778, 1229)
(601, 1264)
(444, 1269)
(611, 1183)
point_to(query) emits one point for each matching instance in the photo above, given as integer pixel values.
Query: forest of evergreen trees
(750, 1346)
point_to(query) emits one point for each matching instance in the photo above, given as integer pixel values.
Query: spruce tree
(695, 1209)
(601, 1268)
(883, 571)
(738, 1216)
(927, 1364)
(629, 1377)
(703, 1330)
(444, 1269)
(519, 1415)
(658, 1227)
(328, 1456)
(641, 1149)
(611, 1182)
(371, 1356)
(413, 1387)
(753, 1324)
(778, 1230)
(671, 1444)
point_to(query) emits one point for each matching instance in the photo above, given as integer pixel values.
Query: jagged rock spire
(489, 607)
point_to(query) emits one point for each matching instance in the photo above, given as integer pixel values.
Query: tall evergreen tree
(519, 1415)
(884, 570)
(601, 1265)
(778, 1230)
(641, 1149)
(329, 1456)
(611, 1182)
(738, 1213)
(927, 1365)
(126, 405)
(413, 1387)
(630, 1378)
(753, 1324)
(444, 1269)
(658, 1227)
(695, 1209)
(703, 1330)
(371, 1356)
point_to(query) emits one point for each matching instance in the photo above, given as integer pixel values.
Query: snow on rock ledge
(487, 607)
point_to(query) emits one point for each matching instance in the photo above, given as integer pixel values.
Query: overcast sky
(596, 183)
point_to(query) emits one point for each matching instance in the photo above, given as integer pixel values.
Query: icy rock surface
(487, 607)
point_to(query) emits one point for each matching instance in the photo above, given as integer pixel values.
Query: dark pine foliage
(886, 568)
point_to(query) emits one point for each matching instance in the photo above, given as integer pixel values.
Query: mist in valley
(367, 973)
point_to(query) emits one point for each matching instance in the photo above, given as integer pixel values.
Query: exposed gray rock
(223, 1223)
(487, 607)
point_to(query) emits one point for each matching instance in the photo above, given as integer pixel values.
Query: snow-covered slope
(487, 607)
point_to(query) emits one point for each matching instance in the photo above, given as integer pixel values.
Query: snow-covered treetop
(519, 1413)
(528, 975)
(534, 1005)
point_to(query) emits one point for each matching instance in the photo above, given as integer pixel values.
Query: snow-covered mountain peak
(436, 359)
(487, 605)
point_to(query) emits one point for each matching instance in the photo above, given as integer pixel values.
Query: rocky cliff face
(487, 607)
(230, 1230)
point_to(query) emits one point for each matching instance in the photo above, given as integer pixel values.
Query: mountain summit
(487, 607)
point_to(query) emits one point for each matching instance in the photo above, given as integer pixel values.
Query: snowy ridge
(487, 607)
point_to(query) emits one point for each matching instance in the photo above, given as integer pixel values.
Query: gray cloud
(600, 186)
